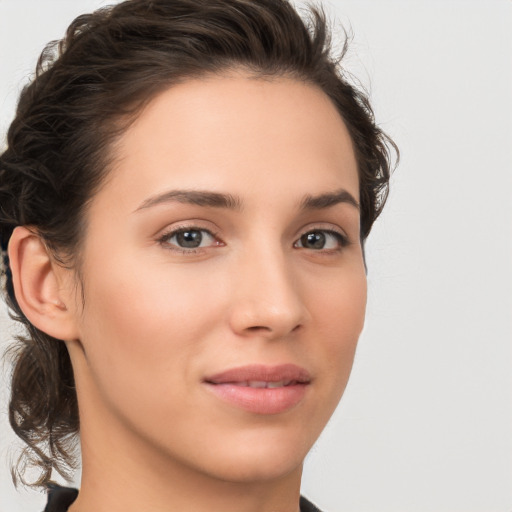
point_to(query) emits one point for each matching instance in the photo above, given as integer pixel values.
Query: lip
(234, 386)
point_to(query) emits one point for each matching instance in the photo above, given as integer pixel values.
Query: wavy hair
(87, 88)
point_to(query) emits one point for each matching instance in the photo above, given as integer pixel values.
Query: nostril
(264, 328)
(256, 328)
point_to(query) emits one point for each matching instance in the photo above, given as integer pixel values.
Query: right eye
(322, 240)
(188, 239)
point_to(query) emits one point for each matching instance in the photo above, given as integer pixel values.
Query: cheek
(168, 301)
(339, 305)
(147, 326)
(339, 313)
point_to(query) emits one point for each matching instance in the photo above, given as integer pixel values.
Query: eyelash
(163, 240)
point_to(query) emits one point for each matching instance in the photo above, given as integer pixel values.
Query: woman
(185, 197)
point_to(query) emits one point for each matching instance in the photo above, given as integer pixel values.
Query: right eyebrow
(196, 197)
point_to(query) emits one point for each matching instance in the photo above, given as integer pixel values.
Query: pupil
(189, 239)
(313, 240)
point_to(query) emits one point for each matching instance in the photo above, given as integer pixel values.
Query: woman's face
(224, 281)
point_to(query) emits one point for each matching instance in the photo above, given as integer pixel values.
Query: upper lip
(262, 373)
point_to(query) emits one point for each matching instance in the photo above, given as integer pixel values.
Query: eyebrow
(328, 199)
(231, 202)
(197, 197)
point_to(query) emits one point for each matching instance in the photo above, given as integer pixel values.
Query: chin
(257, 457)
(259, 468)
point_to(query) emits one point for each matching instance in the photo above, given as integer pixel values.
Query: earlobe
(39, 285)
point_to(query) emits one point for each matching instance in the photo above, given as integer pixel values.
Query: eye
(322, 239)
(188, 239)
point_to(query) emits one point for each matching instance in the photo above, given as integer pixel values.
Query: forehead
(236, 133)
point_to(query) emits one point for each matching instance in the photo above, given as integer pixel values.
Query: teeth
(257, 384)
(279, 384)
(264, 384)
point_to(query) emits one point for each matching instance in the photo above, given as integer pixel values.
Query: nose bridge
(267, 299)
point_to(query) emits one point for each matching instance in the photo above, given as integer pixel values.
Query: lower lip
(260, 400)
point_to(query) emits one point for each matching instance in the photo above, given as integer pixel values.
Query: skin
(157, 319)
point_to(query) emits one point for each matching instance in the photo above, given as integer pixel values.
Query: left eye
(321, 239)
(189, 238)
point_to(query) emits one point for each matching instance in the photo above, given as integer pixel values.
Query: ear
(42, 287)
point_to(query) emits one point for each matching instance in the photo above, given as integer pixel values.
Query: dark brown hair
(86, 88)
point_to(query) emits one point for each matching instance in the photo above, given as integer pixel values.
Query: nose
(267, 299)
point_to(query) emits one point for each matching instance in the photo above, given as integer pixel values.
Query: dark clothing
(307, 506)
(60, 499)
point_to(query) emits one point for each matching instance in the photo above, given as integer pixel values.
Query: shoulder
(60, 498)
(307, 506)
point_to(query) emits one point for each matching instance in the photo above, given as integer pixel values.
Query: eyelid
(322, 226)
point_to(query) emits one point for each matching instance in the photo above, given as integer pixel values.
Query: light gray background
(426, 422)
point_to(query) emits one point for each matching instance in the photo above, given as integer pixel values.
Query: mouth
(259, 384)
(261, 389)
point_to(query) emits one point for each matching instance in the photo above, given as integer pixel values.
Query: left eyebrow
(328, 199)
